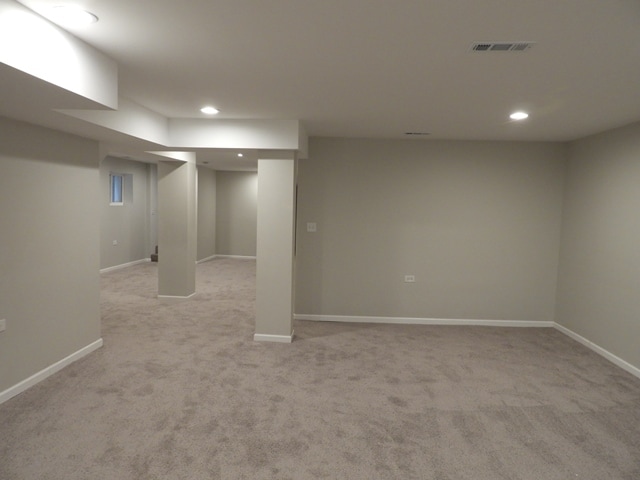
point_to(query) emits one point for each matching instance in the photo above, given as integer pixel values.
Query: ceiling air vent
(502, 46)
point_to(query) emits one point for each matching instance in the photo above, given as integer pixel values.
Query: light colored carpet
(182, 392)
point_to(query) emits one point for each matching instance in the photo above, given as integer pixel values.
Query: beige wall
(129, 224)
(49, 248)
(600, 259)
(206, 213)
(477, 223)
(236, 217)
(275, 247)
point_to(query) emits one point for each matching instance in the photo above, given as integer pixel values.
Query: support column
(275, 248)
(177, 227)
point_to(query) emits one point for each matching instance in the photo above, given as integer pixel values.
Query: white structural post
(177, 227)
(275, 247)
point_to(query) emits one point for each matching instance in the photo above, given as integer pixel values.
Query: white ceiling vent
(502, 46)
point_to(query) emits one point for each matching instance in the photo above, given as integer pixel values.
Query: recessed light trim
(240, 155)
(71, 16)
(520, 115)
(209, 110)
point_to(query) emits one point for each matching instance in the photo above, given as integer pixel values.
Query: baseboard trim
(169, 299)
(263, 337)
(245, 257)
(124, 265)
(424, 321)
(212, 257)
(47, 372)
(635, 371)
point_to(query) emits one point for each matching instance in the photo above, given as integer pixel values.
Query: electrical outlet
(409, 278)
(115, 242)
(3, 325)
(312, 227)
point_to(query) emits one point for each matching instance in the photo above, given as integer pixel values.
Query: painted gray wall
(274, 269)
(177, 227)
(600, 258)
(49, 248)
(206, 213)
(236, 217)
(129, 224)
(477, 223)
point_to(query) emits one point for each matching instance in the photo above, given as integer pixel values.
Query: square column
(177, 228)
(275, 248)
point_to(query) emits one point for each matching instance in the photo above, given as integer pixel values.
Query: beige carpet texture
(183, 392)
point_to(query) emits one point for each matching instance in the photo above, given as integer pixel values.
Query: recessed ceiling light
(240, 155)
(71, 16)
(518, 115)
(209, 110)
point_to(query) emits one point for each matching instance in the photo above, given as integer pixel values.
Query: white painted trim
(263, 337)
(169, 299)
(206, 259)
(599, 350)
(486, 323)
(47, 372)
(124, 265)
(246, 257)
(424, 321)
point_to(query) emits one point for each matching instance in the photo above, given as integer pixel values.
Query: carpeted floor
(182, 392)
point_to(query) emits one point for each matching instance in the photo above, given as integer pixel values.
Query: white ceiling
(378, 68)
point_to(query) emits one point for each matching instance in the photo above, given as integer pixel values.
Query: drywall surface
(236, 217)
(274, 266)
(600, 259)
(476, 223)
(206, 213)
(125, 230)
(49, 248)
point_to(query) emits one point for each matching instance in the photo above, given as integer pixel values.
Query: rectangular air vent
(502, 46)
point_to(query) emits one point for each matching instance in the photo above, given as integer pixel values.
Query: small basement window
(116, 184)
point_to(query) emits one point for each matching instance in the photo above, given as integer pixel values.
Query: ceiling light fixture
(240, 155)
(519, 115)
(209, 110)
(71, 16)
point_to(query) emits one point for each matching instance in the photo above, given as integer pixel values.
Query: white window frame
(114, 179)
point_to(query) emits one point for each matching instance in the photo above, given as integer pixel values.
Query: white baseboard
(262, 337)
(174, 298)
(206, 259)
(124, 265)
(485, 323)
(246, 257)
(599, 350)
(47, 372)
(424, 321)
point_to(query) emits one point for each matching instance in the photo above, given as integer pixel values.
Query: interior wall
(152, 190)
(600, 259)
(237, 217)
(206, 213)
(130, 224)
(476, 223)
(49, 248)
